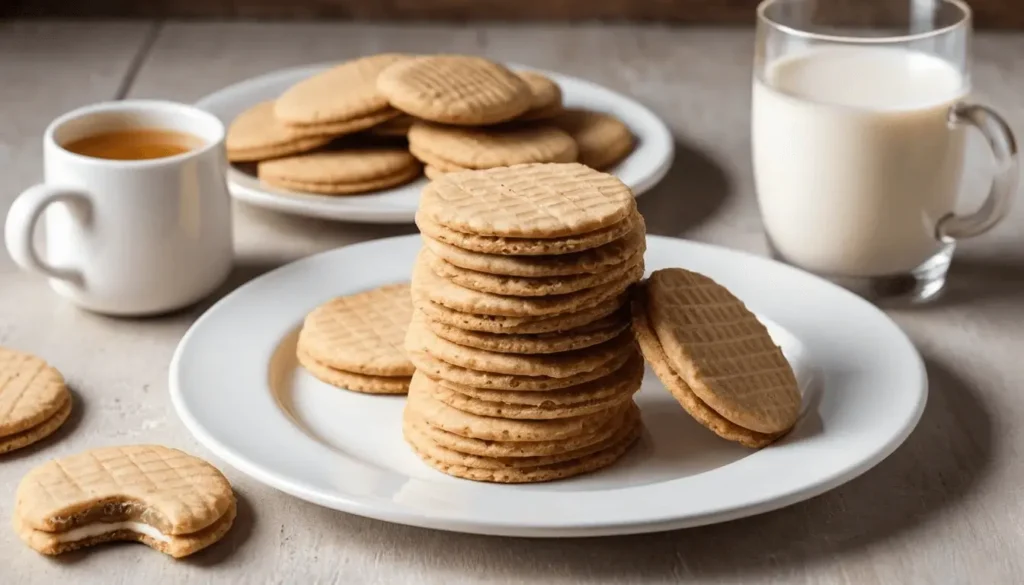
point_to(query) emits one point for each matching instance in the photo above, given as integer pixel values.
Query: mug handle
(21, 226)
(1004, 184)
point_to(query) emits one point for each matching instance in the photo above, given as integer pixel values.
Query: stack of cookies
(34, 400)
(525, 365)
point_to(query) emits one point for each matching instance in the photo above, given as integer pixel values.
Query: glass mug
(858, 134)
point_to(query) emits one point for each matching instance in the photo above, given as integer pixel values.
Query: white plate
(235, 384)
(641, 170)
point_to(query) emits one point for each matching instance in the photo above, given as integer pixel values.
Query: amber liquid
(135, 144)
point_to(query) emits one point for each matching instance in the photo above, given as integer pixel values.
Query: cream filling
(100, 528)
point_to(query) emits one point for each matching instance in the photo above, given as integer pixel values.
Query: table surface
(947, 507)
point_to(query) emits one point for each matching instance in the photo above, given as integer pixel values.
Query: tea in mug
(135, 144)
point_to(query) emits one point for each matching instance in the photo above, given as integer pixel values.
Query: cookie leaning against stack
(355, 342)
(525, 366)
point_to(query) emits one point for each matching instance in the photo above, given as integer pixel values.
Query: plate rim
(353, 505)
(660, 134)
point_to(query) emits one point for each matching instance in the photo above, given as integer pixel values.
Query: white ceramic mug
(128, 237)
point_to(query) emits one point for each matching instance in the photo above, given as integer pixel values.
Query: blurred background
(997, 14)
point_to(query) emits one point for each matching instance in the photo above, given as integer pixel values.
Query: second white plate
(641, 170)
(236, 385)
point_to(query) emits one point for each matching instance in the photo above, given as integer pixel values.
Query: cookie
(516, 325)
(257, 135)
(346, 127)
(363, 333)
(542, 201)
(428, 285)
(503, 449)
(588, 335)
(625, 379)
(526, 246)
(722, 351)
(341, 172)
(350, 381)
(162, 497)
(603, 139)
(529, 286)
(547, 97)
(554, 365)
(34, 400)
(465, 467)
(455, 89)
(444, 417)
(432, 172)
(620, 388)
(590, 261)
(441, 370)
(486, 148)
(342, 93)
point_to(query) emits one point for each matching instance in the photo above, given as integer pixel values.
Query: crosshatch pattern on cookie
(528, 201)
(30, 391)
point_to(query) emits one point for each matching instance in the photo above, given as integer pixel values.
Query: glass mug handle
(1004, 184)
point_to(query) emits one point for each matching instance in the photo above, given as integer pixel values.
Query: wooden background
(1006, 14)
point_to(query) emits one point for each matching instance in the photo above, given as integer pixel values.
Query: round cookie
(529, 286)
(722, 351)
(362, 333)
(441, 370)
(588, 335)
(518, 325)
(655, 356)
(428, 285)
(455, 89)
(625, 379)
(438, 162)
(586, 464)
(342, 93)
(547, 97)
(543, 201)
(525, 246)
(485, 148)
(350, 381)
(336, 129)
(444, 417)
(603, 139)
(586, 262)
(341, 172)
(34, 400)
(623, 389)
(433, 173)
(257, 135)
(555, 365)
(397, 126)
(503, 449)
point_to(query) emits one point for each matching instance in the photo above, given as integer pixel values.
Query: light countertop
(947, 507)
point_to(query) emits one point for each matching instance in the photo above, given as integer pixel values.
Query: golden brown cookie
(361, 333)
(341, 172)
(397, 126)
(588, 335)
(441, 370)
(455, 89)
(722, 351)
(590, 261)
(432, 172)
(477, 469)
(486, 148)
(428, 285)
(529, 286)
(34, 400)
(516, 325)
(502, 449)
(162, 497)
(342, 93)
(547, 97)
(525, 246)
(257, 135)
(603, 139)
(364, 383)
(541, 201)
(555, 365)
